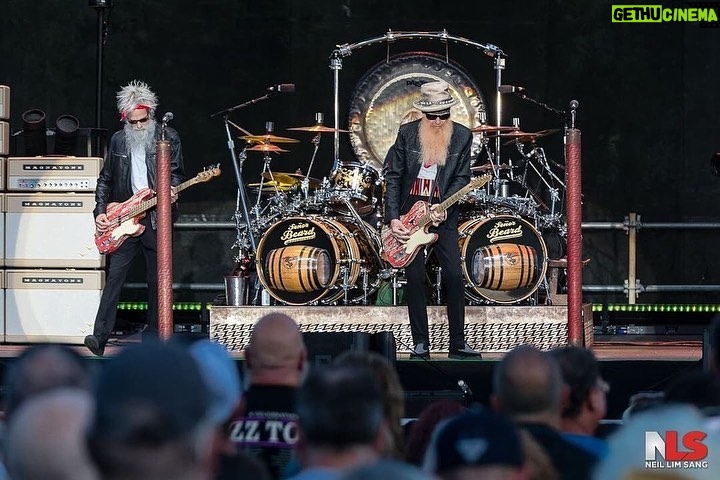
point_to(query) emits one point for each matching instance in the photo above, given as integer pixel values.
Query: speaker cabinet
(47, 230)
(51, 305)
(4, 102)
(4, 138)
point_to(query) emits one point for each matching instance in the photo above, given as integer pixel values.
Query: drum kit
(315, 239)
(319, 239)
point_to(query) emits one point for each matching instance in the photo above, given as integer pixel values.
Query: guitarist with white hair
(429, 162)
(130, 168)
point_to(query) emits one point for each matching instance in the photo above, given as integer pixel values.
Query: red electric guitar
(125, 216)
(399, 254)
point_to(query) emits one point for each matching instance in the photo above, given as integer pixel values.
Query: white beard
(434, 142)
(140, 138)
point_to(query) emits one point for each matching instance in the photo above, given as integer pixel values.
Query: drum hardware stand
(438, 285)
(396, 284)
(363, 227)
(305, 184)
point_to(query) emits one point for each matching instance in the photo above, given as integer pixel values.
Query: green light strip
(666, 308)
(179, 306)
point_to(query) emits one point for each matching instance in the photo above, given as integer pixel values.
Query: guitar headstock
(208, 172)
(478, 182)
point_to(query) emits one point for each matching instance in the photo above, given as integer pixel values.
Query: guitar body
(399, 254)
(125, 225)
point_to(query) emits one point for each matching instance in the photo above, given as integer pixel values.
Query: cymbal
(281, 178)
(271, 184)
(484, 128)
(487, 167)
(312, 182)
(266, 147)
(318, 129)
(528, 137)
(268, 138)
(269, 190)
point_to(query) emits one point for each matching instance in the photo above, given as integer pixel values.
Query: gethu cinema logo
(657, 14)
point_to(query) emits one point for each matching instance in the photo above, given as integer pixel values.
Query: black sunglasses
(139, 120)
(434, 116)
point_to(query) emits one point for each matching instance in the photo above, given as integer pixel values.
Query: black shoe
(419, 351)
(464, 353)
(94, 344)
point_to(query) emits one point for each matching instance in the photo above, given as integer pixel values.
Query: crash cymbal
(281, 178)
(489, 167)
(312, 182)
(491, 129)
(269, 190)
(318, 129)
(267, 147)
(527, 137)
(268, 138)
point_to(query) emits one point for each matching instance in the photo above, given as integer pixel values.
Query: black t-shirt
(269, 428)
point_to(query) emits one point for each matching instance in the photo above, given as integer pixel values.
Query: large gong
(383, 98)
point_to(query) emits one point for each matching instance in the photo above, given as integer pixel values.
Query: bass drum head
(504, 259)
(382, 101)
(297, 259)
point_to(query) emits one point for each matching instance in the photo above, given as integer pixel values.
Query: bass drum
(504, 259)
(309, 260)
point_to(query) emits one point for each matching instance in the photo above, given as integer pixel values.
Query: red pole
(573, 159)
(164, 238)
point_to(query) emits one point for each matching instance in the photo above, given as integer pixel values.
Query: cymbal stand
(539, 153)
(305, 184)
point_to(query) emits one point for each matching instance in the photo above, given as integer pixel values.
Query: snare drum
(354, 183)
(315, 259)
(504, 259)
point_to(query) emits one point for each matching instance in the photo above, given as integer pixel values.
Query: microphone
(282, 88)
(510, 89)
(574, 104)
(464, 387)
(167, 117)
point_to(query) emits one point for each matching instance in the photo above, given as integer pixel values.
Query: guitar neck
(148, 204)
(452, 199)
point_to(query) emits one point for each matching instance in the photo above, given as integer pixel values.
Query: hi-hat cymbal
(491, 129)
(527, 137)
(269, 190)
(268, 138)
(267, 147)
(318, 129)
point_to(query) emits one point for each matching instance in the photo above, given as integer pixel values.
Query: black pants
(117, 269)
(448, 253)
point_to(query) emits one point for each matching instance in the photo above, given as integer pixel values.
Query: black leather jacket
(113, 184)
(402, 165)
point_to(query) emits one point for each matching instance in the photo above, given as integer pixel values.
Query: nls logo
(675, 451)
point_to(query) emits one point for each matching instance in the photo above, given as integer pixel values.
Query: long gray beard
(140, 138)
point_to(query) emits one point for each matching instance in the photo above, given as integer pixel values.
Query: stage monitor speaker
(51, 305)
(416, 401)
(324, 347)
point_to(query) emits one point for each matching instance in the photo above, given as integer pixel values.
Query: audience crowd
(181, 410)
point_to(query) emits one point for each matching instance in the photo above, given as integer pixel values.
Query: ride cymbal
(268, 139)
(318, 129)
(491, 129)
(271, 184)
(266, 147)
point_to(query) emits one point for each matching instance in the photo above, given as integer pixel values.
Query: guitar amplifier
(4, 138)
(51, 230)
(53, 174)
(51, 305)
(4, 103)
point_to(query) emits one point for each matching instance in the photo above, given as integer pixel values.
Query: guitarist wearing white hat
(429, 162)
(128, 172)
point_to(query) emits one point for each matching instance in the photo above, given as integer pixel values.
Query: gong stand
(346, 49)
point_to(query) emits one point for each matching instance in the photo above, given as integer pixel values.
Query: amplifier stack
(53, 278)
